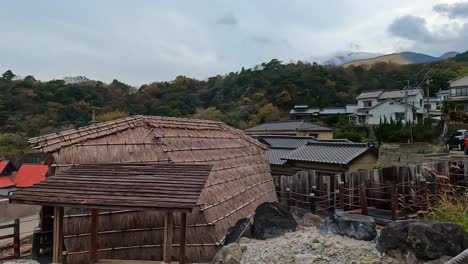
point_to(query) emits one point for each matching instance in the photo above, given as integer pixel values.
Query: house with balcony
(304, 112)
(459, 90)
(374, 106)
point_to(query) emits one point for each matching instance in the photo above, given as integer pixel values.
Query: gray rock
(425, 239)
(356, 226)
(244, 240)
(230, 254)
(310, 220)
(441, 260)
(272, 219)
(242, 228)
(305, 258)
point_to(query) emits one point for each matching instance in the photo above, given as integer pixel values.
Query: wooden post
(363, 199)
(393, 202)
(58, 235)
(168, 226)
(16, 239)
(341, 195)
(93, 230)
(183, 235)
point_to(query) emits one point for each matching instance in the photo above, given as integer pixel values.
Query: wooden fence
(389, 194)
(15, 234)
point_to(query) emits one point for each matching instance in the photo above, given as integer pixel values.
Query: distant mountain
(402, 58)
(462, 57)
(351, 56)
(449, 55)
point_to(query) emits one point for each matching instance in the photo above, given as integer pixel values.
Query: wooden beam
(341, 195)
(58, 235)
(183, 239)
(364, 198)
(93, 230)
(168, 226)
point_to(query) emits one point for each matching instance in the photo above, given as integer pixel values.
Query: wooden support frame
(93, 238)
(183, 237)
(364, 199)
(341, 195)
(58, 235)
(168, 228)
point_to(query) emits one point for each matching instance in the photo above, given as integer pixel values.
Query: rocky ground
(308, 245)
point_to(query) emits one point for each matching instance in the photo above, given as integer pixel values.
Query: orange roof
(5, 182)
(3, 165)
(30, 174)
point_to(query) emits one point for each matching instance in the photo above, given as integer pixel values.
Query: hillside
(349, 57)
(402, 58)
(267, 92)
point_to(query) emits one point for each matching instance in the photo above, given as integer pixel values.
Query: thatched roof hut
(239, 181)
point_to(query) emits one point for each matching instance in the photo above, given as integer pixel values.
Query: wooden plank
(168, 226)
(16, 238)
(58, 235)
(341, 195)
(183, 239)
(364, 198)
(93, 230)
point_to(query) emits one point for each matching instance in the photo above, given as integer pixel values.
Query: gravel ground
(307, 245)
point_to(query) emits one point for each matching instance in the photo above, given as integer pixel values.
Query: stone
(271, 220)
(440, 260)
(356, 226)
(305, 258)
(242, 228)
(425, 239)
(310, 220)
(244, 240)
(229, 254)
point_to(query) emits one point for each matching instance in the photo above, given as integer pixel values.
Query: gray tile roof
(328, 152)
(370, 94)
(275, 154)
(284, 141)
(299, 125)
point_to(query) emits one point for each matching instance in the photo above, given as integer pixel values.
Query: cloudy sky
(142, 41)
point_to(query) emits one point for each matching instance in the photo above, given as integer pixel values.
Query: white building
(459, 90)
(374, 106)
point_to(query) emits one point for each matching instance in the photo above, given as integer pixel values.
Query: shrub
(451, 208)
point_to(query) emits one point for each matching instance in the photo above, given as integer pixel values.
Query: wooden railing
(16, 240)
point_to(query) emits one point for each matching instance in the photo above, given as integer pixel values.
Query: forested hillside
(29, 107)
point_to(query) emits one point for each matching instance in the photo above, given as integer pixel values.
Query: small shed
(239, 181)
(169, 188)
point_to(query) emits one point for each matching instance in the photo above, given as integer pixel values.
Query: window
(453, 92)
(399, 116)
(420, 102)
(367, 103)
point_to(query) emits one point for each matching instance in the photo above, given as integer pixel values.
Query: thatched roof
(239, 181)
(55, 141)
(132, 186)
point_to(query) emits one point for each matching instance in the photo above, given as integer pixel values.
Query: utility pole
(428, 106)
(406, 101)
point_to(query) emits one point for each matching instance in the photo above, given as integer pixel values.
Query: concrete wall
(406, 154)
(365, 162)
(9, 212)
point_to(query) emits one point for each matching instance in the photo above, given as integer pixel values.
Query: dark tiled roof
(328, 152)
(299, 125)
(275, 154)
(284, 141)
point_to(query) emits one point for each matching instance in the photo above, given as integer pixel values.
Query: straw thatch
(240, 180)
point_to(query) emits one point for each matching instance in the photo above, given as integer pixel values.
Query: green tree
(8, 75)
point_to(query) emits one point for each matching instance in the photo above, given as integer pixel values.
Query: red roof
(30, 174)
(5, 181)
(3, 165)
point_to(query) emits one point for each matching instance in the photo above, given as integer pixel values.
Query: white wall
(361, 102)
(388, 110)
